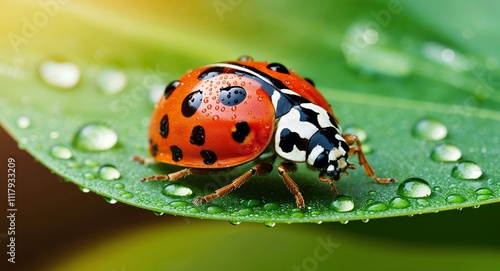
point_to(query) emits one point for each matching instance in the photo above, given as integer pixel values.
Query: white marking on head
(314, 154)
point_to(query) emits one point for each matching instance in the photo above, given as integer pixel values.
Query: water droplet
(95, 137)
(111, 81)
(399, 203)
(271, 206)
(297, 215)
(126, 194)
(119, 186)
(60, 74)
(110, 200)
(215, 117)
(60, 152)
(23, 122)
(73, 164)
(214, 209)
(269, 224)
(342, 203)
(89, 175)
(438, 189)
(467, 170)
(343, 222)
(484, 194)
(414, 188)
(177, 190)
(357, 131)
(235, 223)
(84, 189)
(245, 211)
(90, 163)
(430, 129)
(366, 220)
(423, 202)
(54, 135)
(445, 152)
(178, 204)
(476, 206)
(377, 207)
(108, 172)
(372, 193)
(158, 213)
(250, 202)
(455, 198)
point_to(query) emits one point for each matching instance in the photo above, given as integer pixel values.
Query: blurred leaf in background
(80, 79)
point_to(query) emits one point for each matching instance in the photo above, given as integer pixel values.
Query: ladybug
(227, 114)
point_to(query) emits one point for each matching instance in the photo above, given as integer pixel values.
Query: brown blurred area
(54, 216)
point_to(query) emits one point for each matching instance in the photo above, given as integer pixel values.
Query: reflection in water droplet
(110, 200)
(95, 137)
(430, 129)
(84, 189)
(357, 131)
(399, 203)
(269, 224)
(344, 222)
(455, 198)
(414, 188)
(178, 204)
(111, 81)
(214, 209)
(342, 203)
(467, 170)
(60, 152)
(63, 75)
(177, 190)
(23, 122)
(89, 175)
(109, 173)
(235, 223)
(445, 152)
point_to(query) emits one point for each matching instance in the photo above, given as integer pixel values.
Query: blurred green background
(441, 51)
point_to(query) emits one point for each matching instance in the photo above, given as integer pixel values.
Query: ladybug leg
(143, 160)
(259, 169)
(168, 177)
(351, 139)
(324, 179)
(283, 170)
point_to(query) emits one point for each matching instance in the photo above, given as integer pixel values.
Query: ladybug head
(328, 153)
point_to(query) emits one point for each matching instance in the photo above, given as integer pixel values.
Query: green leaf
(383, 86)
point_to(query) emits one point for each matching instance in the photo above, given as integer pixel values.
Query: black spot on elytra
(242, 129)
(232, 95)
(197, 136)
(154, 149)
(164, 126)
(171, 87)
(288, 139)
(176, 153)
(191, 103)
(209, 157)
(277, 67)
(210, 73)
(310, 81)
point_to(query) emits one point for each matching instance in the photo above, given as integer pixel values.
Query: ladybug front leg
(259, 169)
(351, 139)
(283, 170)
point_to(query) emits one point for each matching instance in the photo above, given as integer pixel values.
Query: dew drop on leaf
(176, 190)
(446, 153)
(342, 204)
(23, 122)
(467, 170)
(269, 224)
(111, 81)
(430, 129)
(60, 152)
(377, 207)
(414, 188)
(399, 203)
(95, 137)
(108, 172)
(59, 74)
(455, 198)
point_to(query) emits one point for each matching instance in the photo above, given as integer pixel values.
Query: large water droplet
(455, 198)
(23, 122)
(60, 152)
(109, 173)
(414, 188)
(342, 203)
(59, 74)
(110, 200)
(430, 129)
(269, 224)
(214, 209)
(446, 153)
(484, 193)
(177, 190)
(467, 170)
(95, 137)
(399, 203)
(111, 81)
